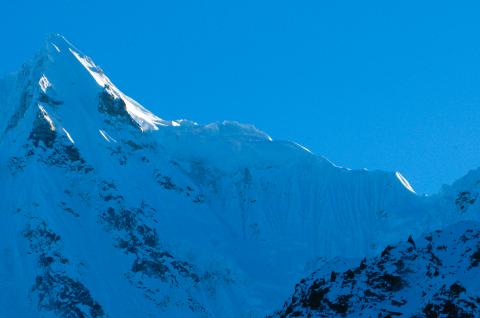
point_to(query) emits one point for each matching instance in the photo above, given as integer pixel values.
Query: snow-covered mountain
(110, 211)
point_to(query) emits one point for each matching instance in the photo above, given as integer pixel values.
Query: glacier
(109, 210)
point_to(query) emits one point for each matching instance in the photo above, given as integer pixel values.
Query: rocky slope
(435, 276)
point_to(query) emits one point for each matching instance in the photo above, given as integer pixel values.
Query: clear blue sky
(367, 84)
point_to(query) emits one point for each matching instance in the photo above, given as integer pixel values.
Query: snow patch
(47, 117)
(404, 182)
(44, 83)
(296, 144)
(55, 47)
(68, 136)
(91, 68)
(106, 136)
(141, 115)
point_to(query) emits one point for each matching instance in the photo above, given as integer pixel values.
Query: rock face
(109, 210)
(435, 276)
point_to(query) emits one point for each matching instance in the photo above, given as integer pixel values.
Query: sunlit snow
(106, 136)
(44, 83)
(404, 181)
(47, 117)
(68, 135)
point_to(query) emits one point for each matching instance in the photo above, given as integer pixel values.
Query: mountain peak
(61, 61)
(58, 40)
(55, 43)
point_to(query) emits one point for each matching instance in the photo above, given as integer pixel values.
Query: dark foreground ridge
(437, 276)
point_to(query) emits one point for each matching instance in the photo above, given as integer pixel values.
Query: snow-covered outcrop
(109, 210)
(435, 276)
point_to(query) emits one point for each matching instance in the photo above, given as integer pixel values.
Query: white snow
(47, 117)
(44, 83)
(56, 48)
(106, 136)
(68, 136)
(404, 181)
(300, 146)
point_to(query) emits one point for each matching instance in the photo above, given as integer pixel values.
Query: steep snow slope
(109, 210)
(435, 276)
(459, 200)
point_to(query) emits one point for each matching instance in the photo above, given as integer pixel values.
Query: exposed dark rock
(115, 108)
(341, 304)
(411, 241)
(387, 250)
(120, 219)
(167, 183)
(456, 289)
(23, 104)
(380, 286)
(333, 276)
(110, 105)
(316, 297)
(42, 133)
(56, 291)
(464, 199)
(137, 238)
(388, 282)
(16, 164)
(44, 98)
(398, 303)
(66, 297)
(475, 258)
(67, 157)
